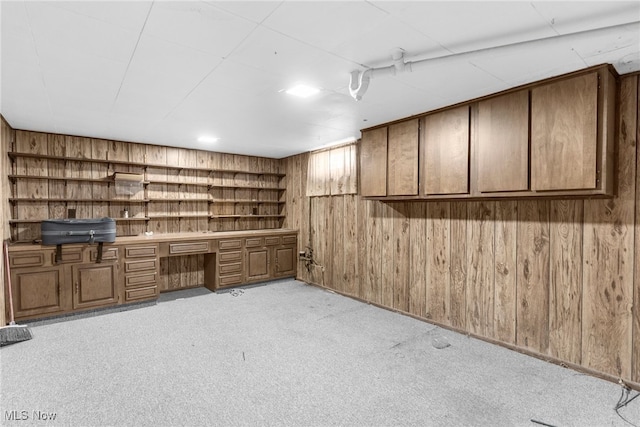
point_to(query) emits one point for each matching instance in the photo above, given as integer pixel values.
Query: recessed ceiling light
(208, 139)
(302, 91)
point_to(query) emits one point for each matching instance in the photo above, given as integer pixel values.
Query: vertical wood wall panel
(565, 294)
(402, 257)
(388, 251)
(458, 249)
(635, 374)
(418, 259)
(532, 310)
(480, 274)
(609, 257)
(438, 277)
(352, 248)
(506, 228)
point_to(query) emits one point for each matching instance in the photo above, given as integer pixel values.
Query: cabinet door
(564, 134)
(373, 163)
(402, 165)
(285, 261)
(94, 285)
(257, 264)
(503, 143)
(445, 141)
(37, 292)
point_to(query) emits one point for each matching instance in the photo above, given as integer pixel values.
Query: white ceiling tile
(130, 15)
(573, 16)
(254, 11)
(324, 24)
(55, 28)
(198, 25)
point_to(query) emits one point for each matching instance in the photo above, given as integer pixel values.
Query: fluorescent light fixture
(302, 91)
(208, 139)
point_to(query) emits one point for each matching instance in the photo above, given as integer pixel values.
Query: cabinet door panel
(564, 134)
(285, 261)
(445, 138)
(373, 163)
(402, 178)
(94, 285)
(37, 292)
(257, 263)
(503, 143)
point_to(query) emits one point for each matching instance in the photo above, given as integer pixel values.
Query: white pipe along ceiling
(359, 80)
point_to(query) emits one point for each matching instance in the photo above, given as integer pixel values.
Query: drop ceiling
(166, 73)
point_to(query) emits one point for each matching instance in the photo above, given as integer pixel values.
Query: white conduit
(359, 81)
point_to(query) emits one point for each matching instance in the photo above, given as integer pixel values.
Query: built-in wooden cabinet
(502, 150)
(402, 164)
(373, 163)
(553, 138)
(445, 159)
(94, 284)
(130, 269)
(564, 134)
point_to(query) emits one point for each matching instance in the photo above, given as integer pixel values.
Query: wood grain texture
(609, 257)
(373, 163)
(7, 136)
(635, 369)
(445, 138)
(564, 134)
(418, 259)
(480, 273)
(565, 294)
(388, 252)
(506, 228)
(337, 215)
(458, 249)
(532, 319)
(503, 143)
(438, 248)
(402, 158)
(402, 256)
(351, 248)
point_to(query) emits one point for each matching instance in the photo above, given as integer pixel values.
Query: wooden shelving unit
(208, 198)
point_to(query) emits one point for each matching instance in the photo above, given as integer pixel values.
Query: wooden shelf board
(47, 200)
(246, 201)
(245, 216)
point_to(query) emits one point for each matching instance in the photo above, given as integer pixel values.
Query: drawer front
(26, 260)
(107, 254)
(289, 239)
(229, 244)
(140, 279)
(68, 255)
(225, 257)
(141, 293)
(270, 241)
(141, 251)
(233, 279)
(253, 242)
(189, 247)
(225, 269)
(142, 265)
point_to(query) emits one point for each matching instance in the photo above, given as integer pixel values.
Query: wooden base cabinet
(95, 285)
(38, 292)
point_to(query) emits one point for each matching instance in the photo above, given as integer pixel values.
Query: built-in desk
(130, 269)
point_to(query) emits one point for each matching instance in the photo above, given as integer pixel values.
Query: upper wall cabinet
(388, 161)
(502, 128)
(553, 138)
(445, 160)
(373, 163)
(402, 163)
(564, 134)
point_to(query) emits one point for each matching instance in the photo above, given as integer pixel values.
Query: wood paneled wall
(556, 278)
(6, 137)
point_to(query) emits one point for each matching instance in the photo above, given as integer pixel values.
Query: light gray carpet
(285, 353)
